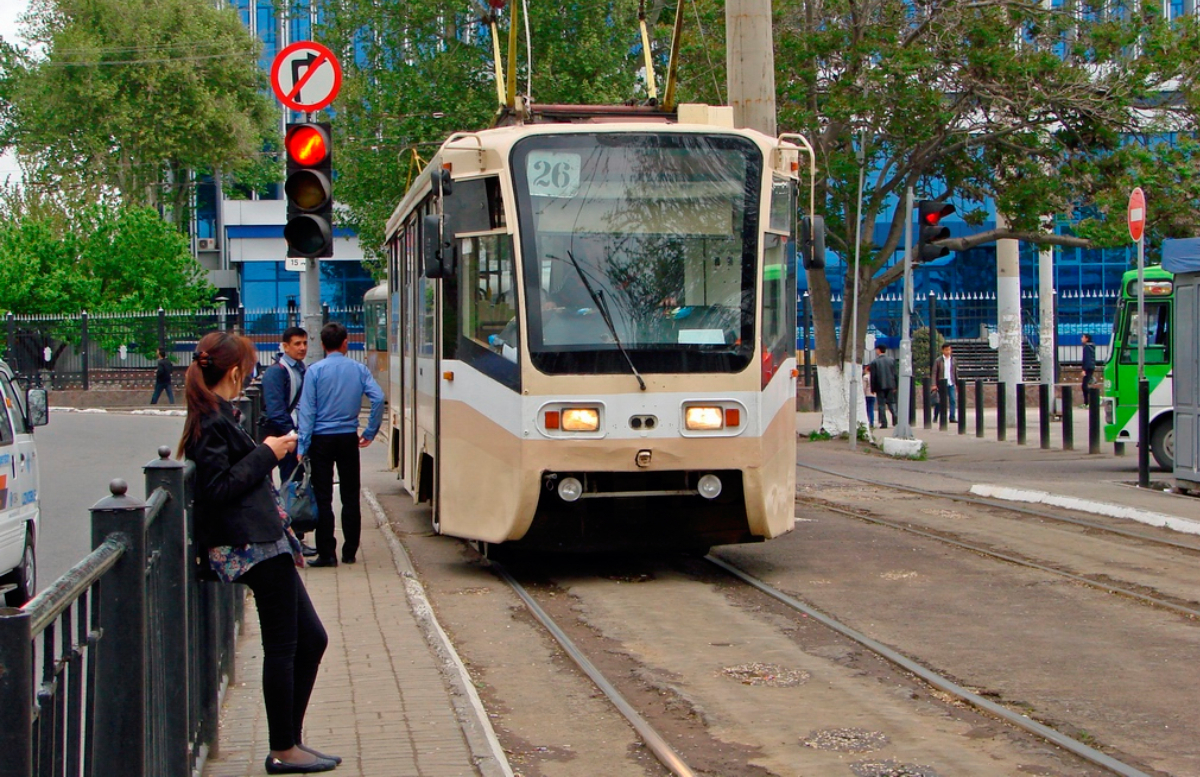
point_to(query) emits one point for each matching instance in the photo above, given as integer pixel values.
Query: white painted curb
(1084, 505)
(475, 722)
(902, 449)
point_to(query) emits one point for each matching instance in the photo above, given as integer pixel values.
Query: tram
(593, 330)
(375, 334)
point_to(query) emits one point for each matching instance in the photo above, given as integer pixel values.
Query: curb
(1163, 520)
(472, 717)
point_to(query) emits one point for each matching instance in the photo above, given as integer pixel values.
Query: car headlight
(704, 418)
(580, 419)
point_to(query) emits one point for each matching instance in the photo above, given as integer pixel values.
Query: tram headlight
(704, 418)
(709, 486)
(570, 489)
(580, 419)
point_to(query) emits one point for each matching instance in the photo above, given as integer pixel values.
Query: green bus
(1120, 401)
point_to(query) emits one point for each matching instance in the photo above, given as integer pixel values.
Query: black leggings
(293, 641)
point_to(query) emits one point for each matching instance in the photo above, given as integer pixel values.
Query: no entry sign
(1137, 214)
(306, 76)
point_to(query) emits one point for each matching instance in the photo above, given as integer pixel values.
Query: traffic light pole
(310, 307)
(903, 430)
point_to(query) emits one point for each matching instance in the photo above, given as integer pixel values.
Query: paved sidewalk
(1003, 469)
(382, 700)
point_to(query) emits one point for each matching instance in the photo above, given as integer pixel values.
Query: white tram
(593, 331)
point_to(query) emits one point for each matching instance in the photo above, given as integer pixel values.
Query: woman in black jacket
(240, 524)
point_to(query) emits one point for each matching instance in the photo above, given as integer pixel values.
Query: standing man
(946, 368)
(281, 385)
(883, 383)
(329, 406)
(1089, 366)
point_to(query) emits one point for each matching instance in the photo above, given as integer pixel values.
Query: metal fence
(118, 666)
(119, 350)
(973, 316)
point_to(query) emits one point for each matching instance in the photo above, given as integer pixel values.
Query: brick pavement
(381, 700)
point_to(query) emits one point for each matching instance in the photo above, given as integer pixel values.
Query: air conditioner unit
(206, 244)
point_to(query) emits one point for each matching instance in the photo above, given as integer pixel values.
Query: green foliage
(123, 98)
(819, 435)
(102, 259)
(864, 434)
(920, 351)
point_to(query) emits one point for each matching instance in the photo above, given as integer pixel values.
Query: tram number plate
(553, 174)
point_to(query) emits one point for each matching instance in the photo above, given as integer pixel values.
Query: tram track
(1023, 511)
(675, 763)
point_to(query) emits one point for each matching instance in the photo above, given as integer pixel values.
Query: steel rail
(1112, 589)
(1085, 752)
(1011, 508)
(663, 751)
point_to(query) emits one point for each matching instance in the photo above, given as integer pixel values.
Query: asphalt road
(79, 455)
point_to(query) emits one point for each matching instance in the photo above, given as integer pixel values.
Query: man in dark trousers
(946, 368)
(329, 406)
(883, 383)
(1089, 366)
(162, 379)
(281, 385)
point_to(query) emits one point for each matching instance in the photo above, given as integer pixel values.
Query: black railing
(118, 666)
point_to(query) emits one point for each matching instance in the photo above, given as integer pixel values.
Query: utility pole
(750, 63)
(1046, 355)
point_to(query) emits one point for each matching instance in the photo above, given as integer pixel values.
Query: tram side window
(1157, 330)
(489, 334)
(779, 302)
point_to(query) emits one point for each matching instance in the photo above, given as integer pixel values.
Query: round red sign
(1136, 214)
(306, 76)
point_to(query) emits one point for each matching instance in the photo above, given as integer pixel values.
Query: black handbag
(298, 500)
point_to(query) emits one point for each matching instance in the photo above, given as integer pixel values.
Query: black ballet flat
(276, 766)
(337, 759)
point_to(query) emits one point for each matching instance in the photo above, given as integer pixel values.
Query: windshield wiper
(603, 308)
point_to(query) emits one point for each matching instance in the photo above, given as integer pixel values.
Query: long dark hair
(216, 354)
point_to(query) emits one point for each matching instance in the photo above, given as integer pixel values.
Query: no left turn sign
(306, 76)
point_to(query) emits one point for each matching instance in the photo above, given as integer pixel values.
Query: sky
(9, 11)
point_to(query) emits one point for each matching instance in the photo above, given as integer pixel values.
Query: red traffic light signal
(307, 144)
(929, 229)
(308, 189)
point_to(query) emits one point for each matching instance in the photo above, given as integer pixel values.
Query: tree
(1030, 107)
(101, 259)
(127, 100)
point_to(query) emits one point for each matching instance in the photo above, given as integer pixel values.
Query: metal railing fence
(972, 316)
(119, 350)
(120, 663)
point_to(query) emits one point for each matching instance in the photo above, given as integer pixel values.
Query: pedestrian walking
(162, 379)
(883, 383)
(329, 407)
(1089, 366)
(869, 395)
(945, 368)
(243, 533)
(281, 385)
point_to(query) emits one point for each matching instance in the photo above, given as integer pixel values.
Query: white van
(20, 412)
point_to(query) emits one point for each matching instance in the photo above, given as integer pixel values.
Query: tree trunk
(834, 355)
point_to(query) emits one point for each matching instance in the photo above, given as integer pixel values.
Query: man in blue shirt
(281, 384)
(329, 406)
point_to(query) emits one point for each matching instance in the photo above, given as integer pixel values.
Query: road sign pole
(1136, 217)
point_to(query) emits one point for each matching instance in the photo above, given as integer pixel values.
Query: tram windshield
(656, 232)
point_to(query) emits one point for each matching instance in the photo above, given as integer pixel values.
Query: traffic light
(929, 229)
(308, 188)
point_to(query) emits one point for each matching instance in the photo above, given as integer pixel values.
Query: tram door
(408, 390)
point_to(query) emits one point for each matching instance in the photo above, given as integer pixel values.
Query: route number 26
(552, 174)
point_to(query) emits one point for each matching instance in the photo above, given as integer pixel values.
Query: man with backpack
(281, 384)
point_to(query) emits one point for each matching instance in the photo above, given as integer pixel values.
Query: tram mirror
(812, 242)
(438, 249)
(38, 403)
(432, 245)
(447, 183)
